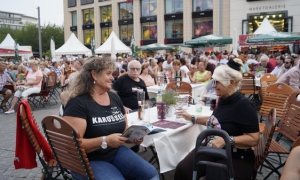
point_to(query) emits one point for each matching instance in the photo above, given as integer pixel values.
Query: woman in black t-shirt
(235, 115)
(99, 116)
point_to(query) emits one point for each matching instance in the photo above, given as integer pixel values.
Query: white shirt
(212, 61)
(166, 65)
(251, 61)
(277, 70)
(223, 61)
(46, 71)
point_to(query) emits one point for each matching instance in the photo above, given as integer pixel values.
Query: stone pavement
(7, 148)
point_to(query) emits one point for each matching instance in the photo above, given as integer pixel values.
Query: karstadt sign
(267, 7)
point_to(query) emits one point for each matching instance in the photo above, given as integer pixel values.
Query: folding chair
(28, 132)
(213, 170)
(182, 88)
(66, 145)
(289, 127)
(265, 81)
(69, 72)
(261, 150)
(248, 87)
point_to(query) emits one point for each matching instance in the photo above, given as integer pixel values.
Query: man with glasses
(288, 63)
(127, 86)
(279, 69)
(292, 77)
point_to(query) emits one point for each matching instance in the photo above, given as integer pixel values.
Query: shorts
(3, 91)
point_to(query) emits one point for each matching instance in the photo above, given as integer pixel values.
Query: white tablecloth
(257, 81)
(197, 89)
(171, 145)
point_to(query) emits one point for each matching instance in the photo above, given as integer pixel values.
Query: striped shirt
(4, 78)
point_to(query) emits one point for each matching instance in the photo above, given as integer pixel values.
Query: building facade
(15, 20)
(150, 21)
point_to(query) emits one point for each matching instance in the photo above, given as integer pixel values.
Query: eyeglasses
(135, 69)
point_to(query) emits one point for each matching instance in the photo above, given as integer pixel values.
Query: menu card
(168, 124)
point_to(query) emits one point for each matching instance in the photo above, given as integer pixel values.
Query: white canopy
(120, 47)
(72, 46)
(265, 27)
(7, 48)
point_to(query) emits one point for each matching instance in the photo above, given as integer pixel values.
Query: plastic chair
(215, 152)
(66, 145)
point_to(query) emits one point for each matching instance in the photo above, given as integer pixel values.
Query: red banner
(129, 1)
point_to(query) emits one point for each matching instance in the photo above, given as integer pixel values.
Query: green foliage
(170, 97)
(28, 35)
(260, 68)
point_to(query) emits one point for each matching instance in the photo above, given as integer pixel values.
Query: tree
(28, 35)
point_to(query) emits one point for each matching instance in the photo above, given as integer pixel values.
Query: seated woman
(145, 76)
(201, 76)
(33, 85)
(99, 116)
(21, 70)
(153, 67)
(177, 71)
(242, 127)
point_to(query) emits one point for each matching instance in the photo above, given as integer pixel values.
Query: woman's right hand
(115, 140)
(185, 115)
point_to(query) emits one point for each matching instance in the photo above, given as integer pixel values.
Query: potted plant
(170, 97)
(260, 71)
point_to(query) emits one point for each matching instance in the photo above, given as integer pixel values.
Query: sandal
(4, 107)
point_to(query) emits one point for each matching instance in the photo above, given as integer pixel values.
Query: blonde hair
(84, 82)
(35, 62)
(224, 74)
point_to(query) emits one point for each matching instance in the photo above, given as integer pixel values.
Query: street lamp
(39, 29)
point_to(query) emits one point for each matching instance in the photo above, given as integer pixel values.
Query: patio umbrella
(16, 51)
(132, 45)
(156, 47)
(52, 49)
(93, 45)
(208, 41)
(274, 37)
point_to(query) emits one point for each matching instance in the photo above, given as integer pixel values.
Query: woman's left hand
(138, 141)
(218, 142)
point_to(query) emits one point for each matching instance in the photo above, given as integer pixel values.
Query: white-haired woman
(32, 85)
(242, 126)
(264, 61)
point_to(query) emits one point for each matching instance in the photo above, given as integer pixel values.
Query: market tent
(208, 41)
(72, 47)
(156, 47)
(106, 47)
(265, 27)
(274, 37)
(7, 48)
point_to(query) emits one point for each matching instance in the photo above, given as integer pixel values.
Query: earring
(94, 82)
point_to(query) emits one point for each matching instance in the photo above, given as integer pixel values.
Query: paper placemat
(168, 124)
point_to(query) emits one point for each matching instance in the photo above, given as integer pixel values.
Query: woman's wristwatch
(231, 138)
(194, 119)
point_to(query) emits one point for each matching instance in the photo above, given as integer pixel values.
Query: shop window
(106, 13)
(149, 8)
(202, 5)
(276, 19)
(126, 32)
(88, 16)
(149, 31)
(202, 26)
(126, 10)
(174, 6)
(174, 29)
(105, 32)
(71, 3)
(74, 18)
(88, 36)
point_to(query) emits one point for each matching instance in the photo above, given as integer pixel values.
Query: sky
(50, 10)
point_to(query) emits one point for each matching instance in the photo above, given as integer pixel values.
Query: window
(71, 3)
(202, 26)
(149, 8)
(174, 6)
(88, 36)
(106, 13)
(88, 16)
(126, 10)
(149, 31)
(126, 32)
(174, 29)
(74, 18)
(105, 32)
(83, 2)
(202, 5)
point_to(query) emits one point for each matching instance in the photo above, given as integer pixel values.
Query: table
(172, 145)
(197, 89)
(257, 81)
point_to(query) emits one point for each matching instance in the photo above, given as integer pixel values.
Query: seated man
(4, 78)
(291, 77)
(127, 85)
